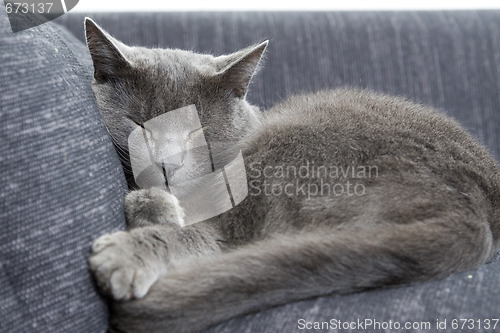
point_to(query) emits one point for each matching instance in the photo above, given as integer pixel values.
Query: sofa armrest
(61, 183)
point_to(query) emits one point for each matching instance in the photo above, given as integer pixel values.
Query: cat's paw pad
(153, 206)
(118, 269)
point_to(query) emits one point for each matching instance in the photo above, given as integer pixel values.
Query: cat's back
(360, 113)
(355, 127)
(361, 123)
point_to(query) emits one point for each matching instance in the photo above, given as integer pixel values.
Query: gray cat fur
(432, 208)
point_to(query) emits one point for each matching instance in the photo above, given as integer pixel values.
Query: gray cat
(348, 190)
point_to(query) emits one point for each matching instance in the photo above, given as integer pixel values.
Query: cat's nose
(170, 168)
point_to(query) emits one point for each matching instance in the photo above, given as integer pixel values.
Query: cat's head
(134, 84)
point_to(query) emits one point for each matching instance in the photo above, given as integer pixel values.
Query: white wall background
(224, 5)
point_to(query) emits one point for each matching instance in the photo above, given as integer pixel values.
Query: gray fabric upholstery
(61, 183)
(70, 190)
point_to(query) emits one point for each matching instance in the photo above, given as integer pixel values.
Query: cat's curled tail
(362, 256)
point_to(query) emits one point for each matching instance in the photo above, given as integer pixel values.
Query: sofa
(62, 184)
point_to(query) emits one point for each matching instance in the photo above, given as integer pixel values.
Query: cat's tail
(293, 267)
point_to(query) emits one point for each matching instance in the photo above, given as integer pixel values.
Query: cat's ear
(238, 69)
(109, 62)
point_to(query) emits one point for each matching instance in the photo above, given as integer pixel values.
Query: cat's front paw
(119, 267)
(152, 206)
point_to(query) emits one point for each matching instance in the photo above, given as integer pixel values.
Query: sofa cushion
(444, 59)
(61, 183)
